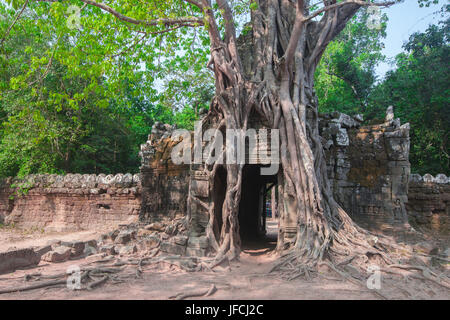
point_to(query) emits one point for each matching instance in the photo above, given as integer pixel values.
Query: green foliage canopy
(419, 89)
(82, 99)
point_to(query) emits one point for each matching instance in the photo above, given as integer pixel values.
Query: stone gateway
(368, 167)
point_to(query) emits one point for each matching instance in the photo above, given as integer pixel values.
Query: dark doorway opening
(254, 210)
(220, 189)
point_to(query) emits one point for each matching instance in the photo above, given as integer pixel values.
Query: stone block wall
(70, 202)
(368, 167)
(429, 203)
(165, 186)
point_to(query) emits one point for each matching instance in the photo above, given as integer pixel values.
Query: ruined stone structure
(369, 168)
(71, 202)
(367, 165)
(165, 185)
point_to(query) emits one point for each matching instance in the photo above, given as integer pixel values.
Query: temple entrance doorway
(258, 222)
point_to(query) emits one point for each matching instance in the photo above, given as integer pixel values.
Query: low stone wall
(71, 202)
(429, 203)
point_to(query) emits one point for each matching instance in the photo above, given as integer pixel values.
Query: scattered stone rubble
(15, 259)
(169, 238)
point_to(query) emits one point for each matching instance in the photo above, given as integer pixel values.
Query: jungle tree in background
(55, 118)
(417, 87)
(346, 74)
(419, 90)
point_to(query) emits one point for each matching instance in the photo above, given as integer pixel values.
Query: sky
(405, 19)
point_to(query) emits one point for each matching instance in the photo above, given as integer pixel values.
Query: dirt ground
(247, 279)
(18, 239)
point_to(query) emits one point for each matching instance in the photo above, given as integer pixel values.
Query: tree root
(353, 280)
(353, 247)
(90, 273)
(427, 274)
(216, 262)
(97, 283)
(196, 293)
(34, 286)
(139, 271)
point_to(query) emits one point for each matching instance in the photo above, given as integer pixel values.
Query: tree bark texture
(277, 82)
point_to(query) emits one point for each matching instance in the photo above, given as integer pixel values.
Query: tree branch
(145, 34)
(332, 24)
(181, 21)
(14, 22)
(195, 3)
(348, 2)
(213, 30)
(184, 22)
(349, 83)
(230, 30)
(296, 32)
(49, 64)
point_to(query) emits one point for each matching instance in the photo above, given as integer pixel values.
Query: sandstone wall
(165, 186)
(369, 168)
(71, 202)
(429, 203)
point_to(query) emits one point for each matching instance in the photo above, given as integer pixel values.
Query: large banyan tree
(275, 80)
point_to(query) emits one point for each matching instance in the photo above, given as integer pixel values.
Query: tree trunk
(273, 202)
(278, 83)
